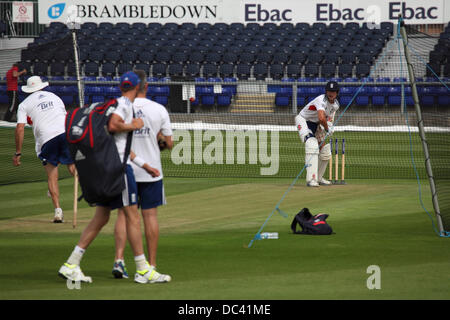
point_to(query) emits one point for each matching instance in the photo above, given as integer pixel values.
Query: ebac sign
(413, 11)
(326, 12)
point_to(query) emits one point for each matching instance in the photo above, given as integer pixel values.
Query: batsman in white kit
(313, 123)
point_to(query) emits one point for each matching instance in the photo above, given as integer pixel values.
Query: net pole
(77, 68)
(294, 99)
(420, 125)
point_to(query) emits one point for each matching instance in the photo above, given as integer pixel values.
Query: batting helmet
(332, 86)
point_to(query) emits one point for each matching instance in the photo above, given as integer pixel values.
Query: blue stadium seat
(284, 96)
(426, 96)
(66, 93)
(394, 95)
(260, 71)
(388, 26)
(365, 58)
(143, 66)
(328, 70)
(40, 68)
(348, 58)
(162, 57)
(293, 70)
(192, 71)
(447, 70)
(57, 69)
(94, 94)
(159, 70)
(96, 56)
(362, 99)
(378, 95)
(246, 58)
(243, 71)
(175, 71)
(313, 92)
(203, 26)
(108, 69)
(155, 26)
(311, 70)
(226, 70)
(280, 58)
(331, 58)
(213, 57)
(128, 57)
(232, 87)
(229, 57)
(314, 58)
(298, 58)
(206, 95)
(346, 93)
(159, 94)
(276, 71)
(252, 49)
(224, 98)
(112, 56)
(91, 68)
(443, 96)
(362, 70)
(3, 95)
(345, 70)
(179, 57)
(124, 67)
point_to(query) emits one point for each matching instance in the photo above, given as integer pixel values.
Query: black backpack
(92, 147)
(314, 225)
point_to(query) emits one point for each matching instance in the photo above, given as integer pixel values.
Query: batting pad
(311, 159)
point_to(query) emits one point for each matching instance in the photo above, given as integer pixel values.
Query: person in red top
(12, 77)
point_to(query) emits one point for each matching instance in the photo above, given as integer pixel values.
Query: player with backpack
(84, 133)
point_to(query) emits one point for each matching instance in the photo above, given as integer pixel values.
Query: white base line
(236, 127)
(265, 127)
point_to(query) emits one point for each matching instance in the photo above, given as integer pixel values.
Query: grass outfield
(205, 229)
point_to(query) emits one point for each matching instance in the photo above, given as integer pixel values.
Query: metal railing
(8, 28)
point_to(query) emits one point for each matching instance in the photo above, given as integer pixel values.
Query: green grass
(205, 230)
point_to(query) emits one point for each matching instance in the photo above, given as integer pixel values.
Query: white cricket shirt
(125, 111)
(309, 112)
(48, 113)
(145, 143)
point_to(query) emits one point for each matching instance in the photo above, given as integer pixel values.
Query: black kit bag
(313, 225)
(92, 147)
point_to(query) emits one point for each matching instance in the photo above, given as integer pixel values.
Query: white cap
(34, 83)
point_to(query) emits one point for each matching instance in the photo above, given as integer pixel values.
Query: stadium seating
(219, 43)
(231, 51)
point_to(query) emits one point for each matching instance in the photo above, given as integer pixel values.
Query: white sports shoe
(73, 272)
(312, 183)
(324, 182)
(59, 217)
(150, 275)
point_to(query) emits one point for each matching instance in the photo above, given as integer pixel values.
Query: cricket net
(242, 124)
